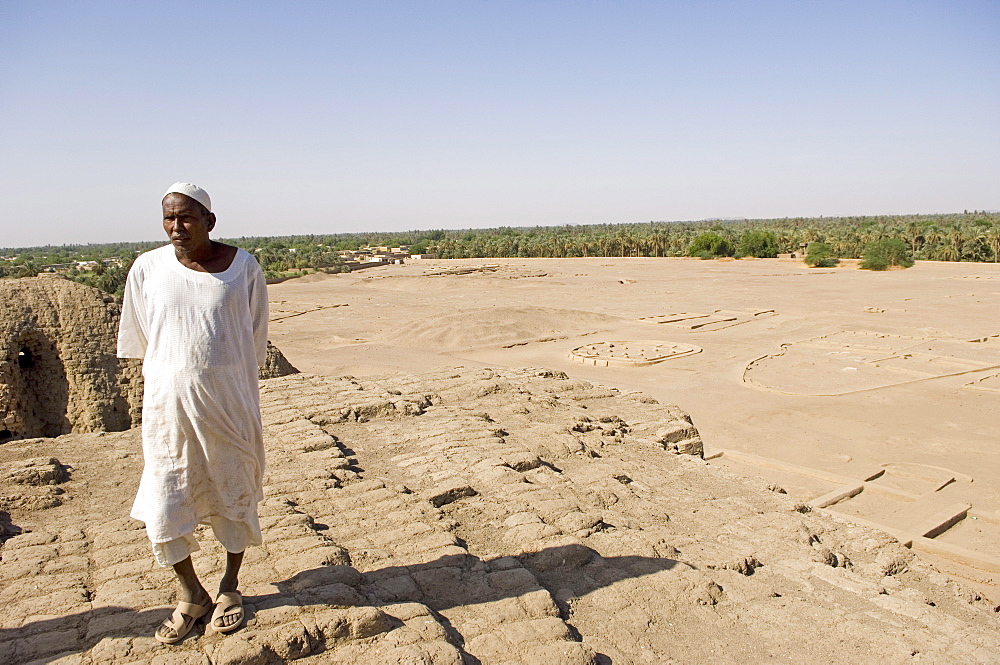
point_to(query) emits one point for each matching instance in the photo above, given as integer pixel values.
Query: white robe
(202, 337)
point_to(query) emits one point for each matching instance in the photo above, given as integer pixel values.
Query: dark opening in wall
(24, 358)
(5, 434)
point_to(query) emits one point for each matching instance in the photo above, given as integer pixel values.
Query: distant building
(800, 253)
(368, 257)
(58, 267)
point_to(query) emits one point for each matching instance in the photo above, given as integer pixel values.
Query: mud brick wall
(58, 368)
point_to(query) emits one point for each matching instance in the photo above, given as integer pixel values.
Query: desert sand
(570, 461)
(838, 371)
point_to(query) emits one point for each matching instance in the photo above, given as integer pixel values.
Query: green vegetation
(110, 279)
(971, 236)
(886, 253)
(288, 256)
(820, 255)
(291, 256)
(709, 245)
(760, 243)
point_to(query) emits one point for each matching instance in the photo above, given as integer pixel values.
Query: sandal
(229, 603)
(182, 621)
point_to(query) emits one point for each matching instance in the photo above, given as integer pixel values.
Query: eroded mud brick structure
(58, 370)
(276, 364)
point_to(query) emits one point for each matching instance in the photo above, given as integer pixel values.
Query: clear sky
(328, 117)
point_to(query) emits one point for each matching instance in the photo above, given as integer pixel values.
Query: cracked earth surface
(485, 516)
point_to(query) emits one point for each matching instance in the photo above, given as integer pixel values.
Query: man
(195, 311)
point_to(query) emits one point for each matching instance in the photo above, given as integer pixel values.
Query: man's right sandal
(182, 621)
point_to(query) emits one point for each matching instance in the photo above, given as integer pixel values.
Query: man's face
(186, 221)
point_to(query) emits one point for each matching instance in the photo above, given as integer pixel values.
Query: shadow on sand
(448, 582)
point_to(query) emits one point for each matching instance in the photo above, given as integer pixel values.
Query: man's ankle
(197, 596)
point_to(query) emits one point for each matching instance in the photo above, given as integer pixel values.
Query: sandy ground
(855, 371)
(483, 464)
(491, 517)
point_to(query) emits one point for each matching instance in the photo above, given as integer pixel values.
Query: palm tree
(993, 238)
(948, 250)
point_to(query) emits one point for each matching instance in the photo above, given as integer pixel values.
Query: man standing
(195, 311)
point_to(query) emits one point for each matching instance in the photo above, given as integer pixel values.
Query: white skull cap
(194, 191)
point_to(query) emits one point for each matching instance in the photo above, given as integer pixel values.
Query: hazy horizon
(354, 117)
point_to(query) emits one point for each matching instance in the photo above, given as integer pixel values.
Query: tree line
(279, 257)
(963, 236)
(954, 237)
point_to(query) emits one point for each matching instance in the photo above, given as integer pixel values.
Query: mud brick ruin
(59, 373)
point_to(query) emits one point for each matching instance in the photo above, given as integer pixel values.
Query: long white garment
(202, 337)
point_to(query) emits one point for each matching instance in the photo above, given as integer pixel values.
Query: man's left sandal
(182, 621)
(228, 604)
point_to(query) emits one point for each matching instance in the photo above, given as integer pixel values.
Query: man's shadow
(447, 582)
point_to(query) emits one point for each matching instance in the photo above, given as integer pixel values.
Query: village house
(800, 253)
